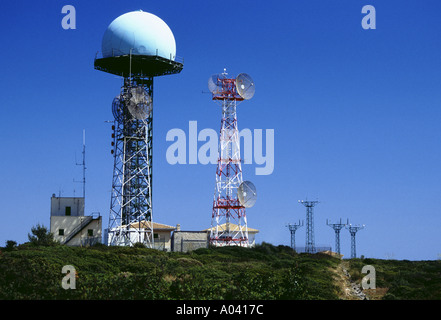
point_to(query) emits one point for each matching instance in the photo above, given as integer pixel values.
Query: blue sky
(356, 115)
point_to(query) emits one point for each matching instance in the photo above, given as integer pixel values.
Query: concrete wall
(183, 241)
(70, 223)
(58, 206)
(163, 240)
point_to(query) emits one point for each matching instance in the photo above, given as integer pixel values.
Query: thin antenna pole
(84, 165)
(130, 67)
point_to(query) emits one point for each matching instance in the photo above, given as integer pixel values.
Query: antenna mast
(228, 219)
(353, 231)
(337, 227)
(293, 228)
(83, 164)
(137, 63)
(310, 243)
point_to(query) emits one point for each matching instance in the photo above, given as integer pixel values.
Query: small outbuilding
(161, 234)
(70, 226)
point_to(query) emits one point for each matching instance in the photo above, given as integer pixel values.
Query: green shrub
(40, 236)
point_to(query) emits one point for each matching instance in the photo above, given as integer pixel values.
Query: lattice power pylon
(337, 227)
(293, 228)
(310, 242)
(353, 231)
(228, 221)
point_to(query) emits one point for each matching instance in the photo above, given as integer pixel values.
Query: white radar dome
(142, 33)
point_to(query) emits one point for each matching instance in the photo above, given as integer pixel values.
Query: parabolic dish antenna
(117, 108)
(245, 86)
(247, 194)
(215, 83)
(140, 103)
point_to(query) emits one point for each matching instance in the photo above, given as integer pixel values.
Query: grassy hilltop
(263, 272)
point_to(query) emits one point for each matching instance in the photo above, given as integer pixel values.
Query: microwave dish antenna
(139, 103)
(246, 192)
(245, 86)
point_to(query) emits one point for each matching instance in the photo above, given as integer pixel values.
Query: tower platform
(141, 66)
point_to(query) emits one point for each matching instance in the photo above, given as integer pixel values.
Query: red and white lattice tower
(229, 221)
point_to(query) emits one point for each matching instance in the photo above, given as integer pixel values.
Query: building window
(90, 232)
(67, 211)
(155, 236)
(61, 232)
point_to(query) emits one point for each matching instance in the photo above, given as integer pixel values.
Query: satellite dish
(245, 86)
(117, 108)
(140, 103)
(215, 83)
(247, 194)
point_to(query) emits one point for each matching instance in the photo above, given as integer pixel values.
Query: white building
(184, 241)
(137, 231)
(70, 226)
(167, 238)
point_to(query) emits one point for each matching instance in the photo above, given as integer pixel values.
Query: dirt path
(349, 289)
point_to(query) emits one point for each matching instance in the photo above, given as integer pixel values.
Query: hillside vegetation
(264, 272)
(401, 279)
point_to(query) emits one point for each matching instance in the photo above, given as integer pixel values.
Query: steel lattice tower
(228, 221)
(310, 242)
(337, 227)
(131, 209)
(130, 217)
(293, 228)
(353, 231)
